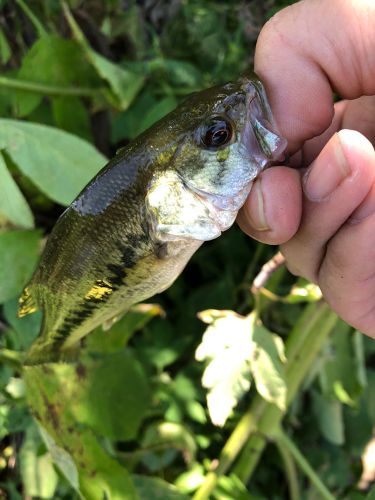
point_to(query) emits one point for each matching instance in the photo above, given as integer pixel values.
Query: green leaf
(191, 479)
(18, 258)
(37, 471)
(113, 395)
(55, 61)
(15, 388)
(159, 345)
(5, 51)
(62, 459)
(157, 489)
(371, 495)
(304, 291)
(71, 115)
(124, 84)
(227, 347)
(24, 330)
(60, 164)
(267, 365)
(180, 72)
(165, 439)
(120, 333)
(13, 206)
(329, 414)
(232, 488)
(343, 372)
(74, 448)
(156, 112)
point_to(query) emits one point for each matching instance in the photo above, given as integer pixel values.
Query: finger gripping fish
(133, 228)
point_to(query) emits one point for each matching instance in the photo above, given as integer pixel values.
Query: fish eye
(217, 133)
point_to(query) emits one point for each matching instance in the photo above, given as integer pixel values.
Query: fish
(131, 231)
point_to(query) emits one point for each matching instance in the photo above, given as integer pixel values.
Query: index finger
(307, 51)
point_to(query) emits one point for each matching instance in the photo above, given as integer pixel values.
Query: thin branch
(45, 89)
(34, 20)
(304, 465)
(267, 270)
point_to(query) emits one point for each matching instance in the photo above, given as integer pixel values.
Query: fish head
(228, 137)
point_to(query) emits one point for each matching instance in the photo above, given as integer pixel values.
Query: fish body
(133, 228)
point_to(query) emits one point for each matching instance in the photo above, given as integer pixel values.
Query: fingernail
(327, 172)
(258, 214)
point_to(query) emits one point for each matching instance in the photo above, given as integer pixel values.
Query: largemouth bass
(133, 228)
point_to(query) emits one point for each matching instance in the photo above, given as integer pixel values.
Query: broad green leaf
(121, 332)
(329, 414)
(164, 440)
(75, 449)
(178, 72)
(159, 345)
(37, 471)
(227, 347)
(54, 61)
(25, 329)
(60, 164)
(13, 206)
(62, 459)
(113, 395)
(342, 374)
(124, 84)
(71, 115)
(18, 258)
(156, 489)
(187, 393)
(267, 365)
(127, 123)
(358, 426)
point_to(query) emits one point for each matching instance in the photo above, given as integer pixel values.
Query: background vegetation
(271, 401)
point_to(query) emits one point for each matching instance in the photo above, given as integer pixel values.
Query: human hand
(324, 220)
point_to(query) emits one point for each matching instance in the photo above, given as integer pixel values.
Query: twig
(42, 88)
(304, 465)
(267, 270)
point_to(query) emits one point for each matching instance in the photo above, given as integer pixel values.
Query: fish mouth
(223, 202)
(260, 142)
(223, 209)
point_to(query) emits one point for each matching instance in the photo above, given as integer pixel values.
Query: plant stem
(42, 88)
(284, 440)
(34, 20)
(303, 345)
(233, 446)
(262, 420)
(290, 469)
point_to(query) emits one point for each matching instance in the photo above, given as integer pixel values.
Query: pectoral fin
(175, 212)
(27, 304)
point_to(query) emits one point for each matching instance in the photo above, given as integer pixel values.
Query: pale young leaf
(227, 347)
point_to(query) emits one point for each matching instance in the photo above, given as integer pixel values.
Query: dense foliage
(210, 390)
